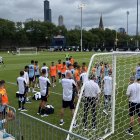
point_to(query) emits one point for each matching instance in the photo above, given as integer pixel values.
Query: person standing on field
(44, 84)
(133, 93)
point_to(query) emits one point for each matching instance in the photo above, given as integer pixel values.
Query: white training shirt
(46, 68)
(21, 85)
(68, 85)
(108, 85)
(44, 83)
(26, 76)
(83, 77)
(91, 89)
(133, 91)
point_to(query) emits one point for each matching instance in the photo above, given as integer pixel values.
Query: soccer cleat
(45, 115)
(129, 132)
(19, 109)
(28, 102)
(105, 112)
(61, 123)
(23, 109)
(6, 135)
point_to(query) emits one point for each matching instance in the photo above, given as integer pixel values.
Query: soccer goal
(27, 51)
(113, 124)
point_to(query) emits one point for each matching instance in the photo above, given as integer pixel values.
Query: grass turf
(14, 63)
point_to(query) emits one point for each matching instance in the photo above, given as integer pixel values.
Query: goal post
(27, 51)
(113, 124)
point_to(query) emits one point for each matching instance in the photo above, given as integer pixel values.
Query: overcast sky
(114, 12)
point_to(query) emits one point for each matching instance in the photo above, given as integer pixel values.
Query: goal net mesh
(27, 51)
(112, 123)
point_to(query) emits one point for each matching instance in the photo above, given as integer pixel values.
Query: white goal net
(27, 51)
(109, 117)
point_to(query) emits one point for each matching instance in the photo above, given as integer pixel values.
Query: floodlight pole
(81, 6)
(137, 42)
(127, 20)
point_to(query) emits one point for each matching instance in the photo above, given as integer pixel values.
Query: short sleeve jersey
(108, 85)
(46, 68)
(21, 84)
(68, 87)
(31, 71)
(44, 83)
(91, 89)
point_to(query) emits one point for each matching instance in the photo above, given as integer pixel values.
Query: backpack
(49, 109)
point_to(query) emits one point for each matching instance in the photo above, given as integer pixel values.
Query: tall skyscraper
(60, 20)
(47, 11)
(101, 26)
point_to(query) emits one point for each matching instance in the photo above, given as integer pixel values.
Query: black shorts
(59, 74)
(134, 108)
(63, 75)
(31, 79)
(26, 89)
(66, 104)
(44, 98)
(37, 76)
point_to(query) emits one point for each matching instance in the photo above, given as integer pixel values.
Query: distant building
(121, 30)
(77, 27)
(60, 20)
(101, 25)
(47, 11)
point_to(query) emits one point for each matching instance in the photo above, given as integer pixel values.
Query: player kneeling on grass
(21, 82)
(44, 84)
(107, 82)
(91, 96)
(68, 85)
(5, 114)
(133, 92)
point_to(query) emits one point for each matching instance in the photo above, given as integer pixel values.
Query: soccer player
(72, 60)
(31, 76)
(63, 69)
(108, 86)
(59, 65)
(44, 84)
(91, 94)
(46, 68)
(98, 74)
(133, 93)
(84, 66)
(77, 76)
(83, 75)
(67, 62)
(26, 76)
(21, 82)
(1, 60)
(137, 74)
(53, 74)
(68, 85)
(37, 74)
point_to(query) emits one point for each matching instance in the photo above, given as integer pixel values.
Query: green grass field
(14, 63)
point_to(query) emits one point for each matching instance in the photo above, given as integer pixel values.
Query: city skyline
(113, 12)
(47, 11)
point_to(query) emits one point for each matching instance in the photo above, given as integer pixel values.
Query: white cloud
(114, 12)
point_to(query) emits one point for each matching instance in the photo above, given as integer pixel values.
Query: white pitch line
(12, 83)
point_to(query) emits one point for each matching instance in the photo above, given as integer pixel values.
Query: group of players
(71, 76)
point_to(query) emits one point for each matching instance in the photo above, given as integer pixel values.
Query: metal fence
(8, 121)
(32, 128)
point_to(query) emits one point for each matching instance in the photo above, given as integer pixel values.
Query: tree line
(38, 33)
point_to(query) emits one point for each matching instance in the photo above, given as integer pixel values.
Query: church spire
(101, 26)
